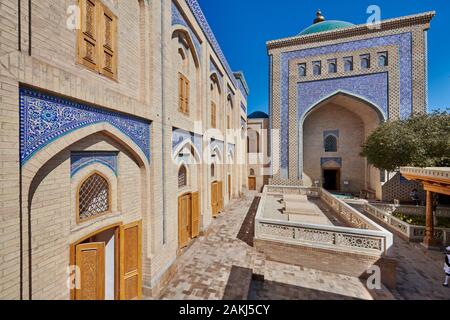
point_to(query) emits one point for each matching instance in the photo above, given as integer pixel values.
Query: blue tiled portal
(322, 88)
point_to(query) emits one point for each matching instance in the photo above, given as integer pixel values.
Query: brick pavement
(219, 266)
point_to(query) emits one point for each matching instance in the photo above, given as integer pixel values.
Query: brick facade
(38, 197)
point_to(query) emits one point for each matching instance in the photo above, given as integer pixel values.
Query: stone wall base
(351, 264)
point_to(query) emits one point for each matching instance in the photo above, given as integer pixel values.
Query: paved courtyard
(223, 260)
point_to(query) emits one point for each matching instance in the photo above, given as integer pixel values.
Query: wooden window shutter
(186, 95)
(213, 114)
(195, 216)
(180, 92)
(130, 261)
(87, 42)
(108, 42)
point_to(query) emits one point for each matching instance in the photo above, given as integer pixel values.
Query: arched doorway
(333, 132)
(94, 219)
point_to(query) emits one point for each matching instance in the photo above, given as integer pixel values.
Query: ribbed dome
(325, 26)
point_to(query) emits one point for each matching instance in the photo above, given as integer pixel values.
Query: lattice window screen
(182, 177)
(93, 197)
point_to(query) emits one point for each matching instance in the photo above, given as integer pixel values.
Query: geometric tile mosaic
(80, 160)
(45, 118)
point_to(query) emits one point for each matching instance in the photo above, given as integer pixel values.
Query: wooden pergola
(434, 180)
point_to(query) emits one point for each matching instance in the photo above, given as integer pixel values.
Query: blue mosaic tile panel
(219, 144)
(404, 43)
(373, 88)
(80, 160)
(180, 136)
(45, 118)
(178, 19)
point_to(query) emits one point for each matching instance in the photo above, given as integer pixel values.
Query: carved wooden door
(215, 198)
(195, 216)
(251, 183)
(90, 262)
(130, 261)
(184, 213)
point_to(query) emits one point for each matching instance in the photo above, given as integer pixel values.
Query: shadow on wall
(400, 188)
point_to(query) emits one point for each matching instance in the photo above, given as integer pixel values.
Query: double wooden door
(216, 197)
(188, 218)
(89, 260)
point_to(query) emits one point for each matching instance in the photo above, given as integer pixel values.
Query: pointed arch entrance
(331, 134)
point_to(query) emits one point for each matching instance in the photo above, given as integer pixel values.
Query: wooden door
(214, 199)
(229, 187)
(184, 216)
(252, 183)
(90, 260)
(130, 261)
(195, 216)
(220, 196)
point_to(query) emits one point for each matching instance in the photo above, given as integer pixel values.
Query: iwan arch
(331, 86)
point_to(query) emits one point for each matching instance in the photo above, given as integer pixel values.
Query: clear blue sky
(242, 28)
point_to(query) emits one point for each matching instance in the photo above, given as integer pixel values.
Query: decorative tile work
(217, 143)
(80, 160)
(45, 118)
(178, 19)
(331, 132)
(373, 88)
(180, 136)
(325, 160)
(200, 17)
(403, 41)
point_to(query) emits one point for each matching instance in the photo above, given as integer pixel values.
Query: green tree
(420, 141)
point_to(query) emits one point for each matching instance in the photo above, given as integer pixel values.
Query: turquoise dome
(325, 26)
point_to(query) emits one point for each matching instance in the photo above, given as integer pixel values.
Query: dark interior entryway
(331, 179)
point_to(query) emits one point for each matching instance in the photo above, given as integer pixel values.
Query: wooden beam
(436, 188)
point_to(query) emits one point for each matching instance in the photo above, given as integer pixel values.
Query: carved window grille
(330, 144)
(93, 197)
(182, 177)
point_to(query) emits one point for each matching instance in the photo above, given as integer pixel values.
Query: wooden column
(429, 240)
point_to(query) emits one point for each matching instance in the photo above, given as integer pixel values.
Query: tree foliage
(420, 141)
